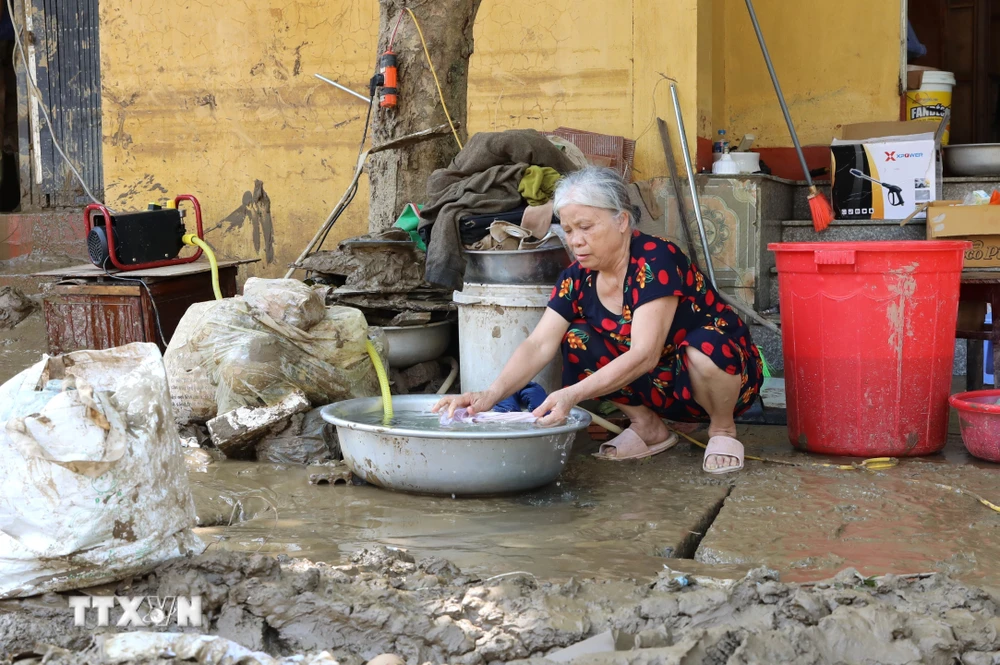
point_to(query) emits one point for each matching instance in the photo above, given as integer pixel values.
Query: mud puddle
(600, 520)
(22, 346)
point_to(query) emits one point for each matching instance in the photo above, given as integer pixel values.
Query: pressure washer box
(950, 220)
(885, 170)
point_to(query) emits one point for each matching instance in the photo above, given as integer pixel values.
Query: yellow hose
(383, 379)
(192, 239)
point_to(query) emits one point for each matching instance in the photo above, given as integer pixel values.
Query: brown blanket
(482, 179)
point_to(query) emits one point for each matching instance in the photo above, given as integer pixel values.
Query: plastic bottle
(722, 143)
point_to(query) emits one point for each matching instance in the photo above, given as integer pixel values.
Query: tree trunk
(398, 177)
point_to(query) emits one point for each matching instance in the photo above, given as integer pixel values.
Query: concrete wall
(224, 104)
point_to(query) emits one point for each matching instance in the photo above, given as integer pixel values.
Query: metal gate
(64, 58)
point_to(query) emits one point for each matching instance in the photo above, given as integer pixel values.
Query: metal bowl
(412, 345)
(523, 266)
(449, 462)
(974, 159)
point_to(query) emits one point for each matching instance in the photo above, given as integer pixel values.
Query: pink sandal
(724, 446)
(629, 445)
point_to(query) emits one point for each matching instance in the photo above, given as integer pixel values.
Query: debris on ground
(387, 262)
(94, 485)
(384, 602)
(14, 307)
(236, 432)
(333, 473)
(305, 439)
(422, 378)
(411, 319)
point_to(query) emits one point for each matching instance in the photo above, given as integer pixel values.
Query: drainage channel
(689, 546)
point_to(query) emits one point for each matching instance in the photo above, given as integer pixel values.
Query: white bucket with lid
(932, 98)
(493, 320)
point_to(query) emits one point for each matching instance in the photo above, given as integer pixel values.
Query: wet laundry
(464, 417)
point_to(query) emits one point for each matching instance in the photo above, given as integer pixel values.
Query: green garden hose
(383, 379)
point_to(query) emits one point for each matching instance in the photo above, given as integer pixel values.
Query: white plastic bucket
(493, 319)
(931, 99)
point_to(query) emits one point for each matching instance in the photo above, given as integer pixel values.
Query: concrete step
(852, 230)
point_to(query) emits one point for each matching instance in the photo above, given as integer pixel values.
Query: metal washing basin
(445, 461)
(411, 345)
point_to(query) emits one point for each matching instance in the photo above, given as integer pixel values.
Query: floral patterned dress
(657, 269)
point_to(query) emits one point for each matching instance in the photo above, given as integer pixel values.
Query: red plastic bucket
(868, 334)
(979, 420)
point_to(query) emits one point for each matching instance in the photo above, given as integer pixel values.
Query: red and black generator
(139, 240)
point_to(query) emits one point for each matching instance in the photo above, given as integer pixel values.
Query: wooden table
(981, 287)
(88, 309)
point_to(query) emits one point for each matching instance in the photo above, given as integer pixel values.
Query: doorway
(963, 37)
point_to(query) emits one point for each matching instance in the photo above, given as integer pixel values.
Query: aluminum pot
(411, 345)
(523, 266)
(448, 462)
(980, 159)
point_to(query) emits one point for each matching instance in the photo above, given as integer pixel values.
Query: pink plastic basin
(979, 419)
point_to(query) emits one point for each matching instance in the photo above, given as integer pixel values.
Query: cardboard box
(885, 170)
(948, 220)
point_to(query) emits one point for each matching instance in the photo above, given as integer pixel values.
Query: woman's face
(595, 235)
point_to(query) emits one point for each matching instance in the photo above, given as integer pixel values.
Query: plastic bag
(254, 360)
(287, 300)
(191, 389)
(92, 480)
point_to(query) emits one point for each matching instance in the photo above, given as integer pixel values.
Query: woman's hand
(557, 406)
(475, 402)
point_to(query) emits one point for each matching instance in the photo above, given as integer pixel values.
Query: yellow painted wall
(227, 97)
(838, 63)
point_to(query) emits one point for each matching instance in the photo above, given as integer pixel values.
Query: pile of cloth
(496, 194)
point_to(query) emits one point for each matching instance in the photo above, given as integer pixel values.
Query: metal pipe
(694, 190)
(344, 88)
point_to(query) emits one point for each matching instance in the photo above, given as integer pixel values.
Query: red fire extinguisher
(385, 80)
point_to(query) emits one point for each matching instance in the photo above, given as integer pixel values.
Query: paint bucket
(493, 320)
(931, 99)
(868, 334)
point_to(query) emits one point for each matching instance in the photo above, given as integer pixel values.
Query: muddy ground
(502, 579)
(429, 611)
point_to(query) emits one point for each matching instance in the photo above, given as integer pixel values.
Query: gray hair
(596, 187)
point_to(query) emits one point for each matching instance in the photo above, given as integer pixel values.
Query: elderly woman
(638, 325)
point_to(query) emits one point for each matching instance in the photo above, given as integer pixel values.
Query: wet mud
(599, 520)
(811, 522)
(429, 611)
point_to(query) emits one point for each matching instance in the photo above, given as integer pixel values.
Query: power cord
(41, 105)
(430, 64)
(156, 311)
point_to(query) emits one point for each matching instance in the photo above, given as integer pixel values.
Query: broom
(819, 207)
